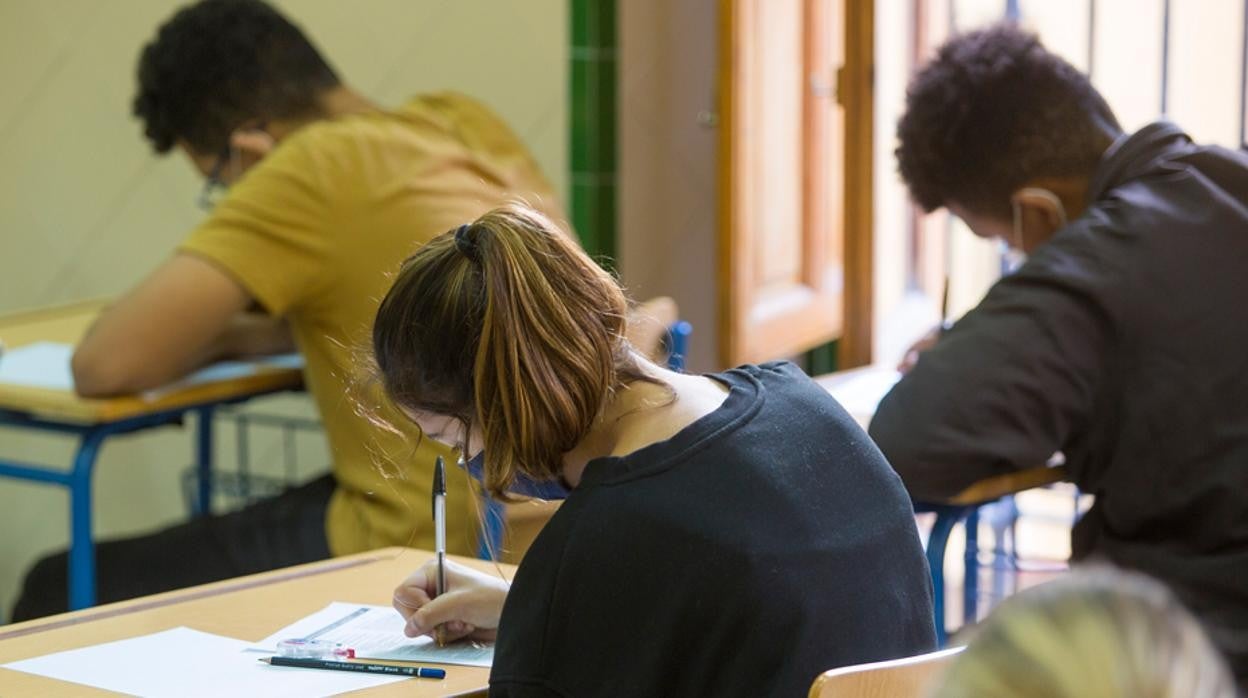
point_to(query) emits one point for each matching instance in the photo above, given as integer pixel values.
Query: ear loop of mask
(235, 162)
(1014, 255)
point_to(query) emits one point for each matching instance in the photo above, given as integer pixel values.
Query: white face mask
(1013, 254)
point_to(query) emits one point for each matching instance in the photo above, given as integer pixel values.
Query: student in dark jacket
(733, 534)
(1122, 341)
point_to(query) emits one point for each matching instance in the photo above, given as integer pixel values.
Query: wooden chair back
(909, 677)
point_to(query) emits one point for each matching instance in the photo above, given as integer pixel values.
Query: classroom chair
(909, 677)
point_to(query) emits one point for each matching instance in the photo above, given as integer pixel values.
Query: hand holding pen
(929, 340)
(470, 607)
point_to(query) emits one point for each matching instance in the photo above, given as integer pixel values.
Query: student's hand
(927, 341)
(252, 334)
(470, 606)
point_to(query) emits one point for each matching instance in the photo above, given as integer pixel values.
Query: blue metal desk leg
(970, 583)
(203, 458)
(81, 542)
(936, 541)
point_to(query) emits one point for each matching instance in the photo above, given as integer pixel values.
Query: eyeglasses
(214, 189)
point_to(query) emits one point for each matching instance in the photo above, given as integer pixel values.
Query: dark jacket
(1122, 343)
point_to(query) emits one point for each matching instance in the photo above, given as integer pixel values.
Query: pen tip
(439, 476)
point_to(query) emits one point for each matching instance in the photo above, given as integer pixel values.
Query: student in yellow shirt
(327, 194)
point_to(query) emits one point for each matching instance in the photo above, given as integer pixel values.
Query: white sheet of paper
(190, 664)
(38, 365)
(376, 632)
(46, 365)
(861, 394)
(227, 370)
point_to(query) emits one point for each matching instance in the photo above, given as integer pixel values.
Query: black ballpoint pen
(334, 665)
(439, 532)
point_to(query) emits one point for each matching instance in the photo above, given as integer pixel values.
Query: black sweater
(1123, 343)
(763, 544)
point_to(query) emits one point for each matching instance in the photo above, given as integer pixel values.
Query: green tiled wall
(592, 147)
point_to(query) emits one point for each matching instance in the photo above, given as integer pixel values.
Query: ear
(253, 143)
(1040, 204)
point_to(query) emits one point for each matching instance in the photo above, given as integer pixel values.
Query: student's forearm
(99, 372)
(916, 441)
(171, 323)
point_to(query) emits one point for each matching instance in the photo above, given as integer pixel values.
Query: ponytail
(507, 324)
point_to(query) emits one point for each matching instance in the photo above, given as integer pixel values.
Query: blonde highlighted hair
(506, 324)
(1096, 633)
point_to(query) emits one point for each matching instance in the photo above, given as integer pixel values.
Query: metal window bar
(1165, 55)
(1243, 82)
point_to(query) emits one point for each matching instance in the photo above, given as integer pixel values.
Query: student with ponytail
(728, 534)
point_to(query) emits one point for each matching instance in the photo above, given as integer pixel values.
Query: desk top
(68, 324)
(985, 490)
(248, 608)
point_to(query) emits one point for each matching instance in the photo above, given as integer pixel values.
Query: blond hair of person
(1096, 633)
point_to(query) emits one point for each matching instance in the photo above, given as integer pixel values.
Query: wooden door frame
(855, 93)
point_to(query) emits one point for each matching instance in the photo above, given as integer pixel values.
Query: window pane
(1126, 61)
(1205, 57)
(973, 14)
(1063, 26)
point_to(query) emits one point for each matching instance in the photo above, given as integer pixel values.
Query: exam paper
(46, 365)
(190, 664)
(376, 632)
(861, 394)
(38, 365)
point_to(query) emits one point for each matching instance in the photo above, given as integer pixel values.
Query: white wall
(86, 210)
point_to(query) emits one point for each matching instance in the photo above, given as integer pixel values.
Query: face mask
(1013, 255)
(523, 485)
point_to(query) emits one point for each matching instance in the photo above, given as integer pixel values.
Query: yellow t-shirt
(316, 231)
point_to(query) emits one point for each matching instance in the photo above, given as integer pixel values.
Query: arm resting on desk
(1003, 390)
(186, 314)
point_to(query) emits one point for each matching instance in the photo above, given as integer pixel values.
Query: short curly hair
(993, 110)
(219, 63)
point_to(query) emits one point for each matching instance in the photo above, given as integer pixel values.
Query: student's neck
(343, 101)
(334, 103)
(612, 424)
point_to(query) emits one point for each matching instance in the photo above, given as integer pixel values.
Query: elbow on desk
(98, 376)
(926, 477)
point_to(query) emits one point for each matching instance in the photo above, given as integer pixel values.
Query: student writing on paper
(731, 534)
(327, 193)
(1121, 342)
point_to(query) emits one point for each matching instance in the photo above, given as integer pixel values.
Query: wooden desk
(247, 608)
(67, 324)
(64, 412)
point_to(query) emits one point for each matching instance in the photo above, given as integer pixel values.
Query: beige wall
(85, 209)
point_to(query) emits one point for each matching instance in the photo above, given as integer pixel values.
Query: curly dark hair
(219, 63)
(992, 111)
